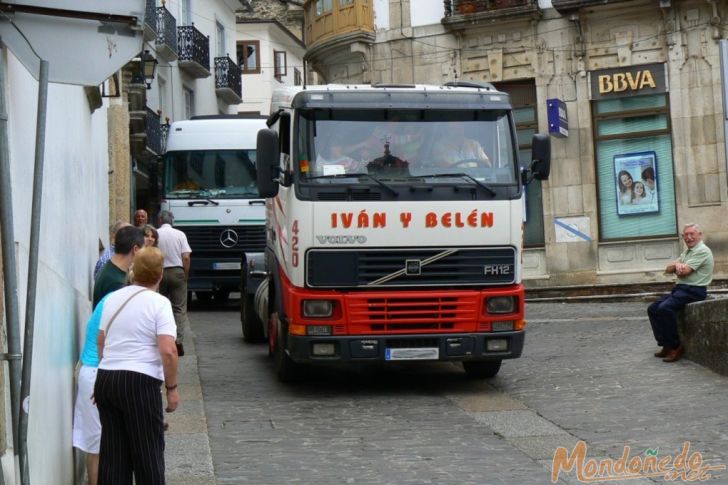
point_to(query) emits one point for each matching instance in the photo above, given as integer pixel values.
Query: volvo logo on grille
(412, 267)
(228, 238)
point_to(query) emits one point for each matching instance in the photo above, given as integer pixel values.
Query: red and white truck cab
(394, 226)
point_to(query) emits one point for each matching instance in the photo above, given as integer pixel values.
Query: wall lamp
(149, 65)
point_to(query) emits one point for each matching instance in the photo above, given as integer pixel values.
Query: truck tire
(203, 295)
(221, 296)
(251, 324)
(286, 370)
(482, 369)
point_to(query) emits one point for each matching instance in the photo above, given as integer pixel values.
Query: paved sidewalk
(187, 454)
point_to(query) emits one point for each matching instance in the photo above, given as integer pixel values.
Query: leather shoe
(663, 353)
(674, 354)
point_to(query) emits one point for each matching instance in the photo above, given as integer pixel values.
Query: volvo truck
(394, 226)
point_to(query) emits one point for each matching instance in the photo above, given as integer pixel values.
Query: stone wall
(119, 156)
(290, 14)
(703, 329)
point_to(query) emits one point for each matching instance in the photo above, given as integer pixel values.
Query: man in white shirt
(176, 249)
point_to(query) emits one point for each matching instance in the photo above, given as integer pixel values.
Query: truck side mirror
(541, 155)
(268, 162)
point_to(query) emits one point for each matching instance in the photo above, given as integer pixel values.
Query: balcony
(341, 24)
(462, 14)
(194, 51)
(150, 20)
(137, 94)
(228, 86)
(166, 35)
(145, 134)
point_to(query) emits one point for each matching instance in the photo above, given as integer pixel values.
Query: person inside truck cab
(333, 158)
(454, 149)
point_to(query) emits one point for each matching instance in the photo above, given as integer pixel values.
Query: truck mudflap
(444, 347)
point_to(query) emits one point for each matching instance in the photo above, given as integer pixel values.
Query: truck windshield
(222, 174)
(399, 145)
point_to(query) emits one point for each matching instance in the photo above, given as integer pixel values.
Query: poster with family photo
(636, 179)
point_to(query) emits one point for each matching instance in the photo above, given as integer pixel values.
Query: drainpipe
(10, 276)
(33, 268)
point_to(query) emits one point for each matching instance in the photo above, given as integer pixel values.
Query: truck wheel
(252, 326)
(481, 369)
(285, 369)
(203, 295)
(221, 295)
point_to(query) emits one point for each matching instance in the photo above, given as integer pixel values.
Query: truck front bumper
(444, 347)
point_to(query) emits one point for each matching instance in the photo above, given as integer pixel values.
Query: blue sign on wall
(558, 121)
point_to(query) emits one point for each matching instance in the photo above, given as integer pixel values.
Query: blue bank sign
(558, 121)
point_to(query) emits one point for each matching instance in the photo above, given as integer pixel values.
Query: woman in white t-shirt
(137, 348)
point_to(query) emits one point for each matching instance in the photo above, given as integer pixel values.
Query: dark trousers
(132, 428)
(174, 287)
(663, 313)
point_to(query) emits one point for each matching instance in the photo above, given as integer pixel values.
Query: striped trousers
(132, 428)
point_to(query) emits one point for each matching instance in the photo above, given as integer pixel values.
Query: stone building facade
(641, 86)
(288, 12)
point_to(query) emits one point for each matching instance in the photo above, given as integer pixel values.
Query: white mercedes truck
(210, 186)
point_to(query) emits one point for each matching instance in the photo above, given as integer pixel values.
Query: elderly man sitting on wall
(694, 270)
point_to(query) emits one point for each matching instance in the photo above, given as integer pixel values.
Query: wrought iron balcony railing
(194, 51)
(150, 20)
(228, 84)
(154, 132)
(146, 142)
(166, 34)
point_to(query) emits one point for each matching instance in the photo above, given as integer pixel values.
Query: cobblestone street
(587, 373)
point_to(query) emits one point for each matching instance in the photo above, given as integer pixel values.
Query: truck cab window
(213, 173)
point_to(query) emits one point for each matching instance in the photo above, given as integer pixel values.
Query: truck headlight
(501, 304)
(318, 308)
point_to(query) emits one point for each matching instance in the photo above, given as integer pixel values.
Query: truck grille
(453, 311)
(209, 239)
(331, 268)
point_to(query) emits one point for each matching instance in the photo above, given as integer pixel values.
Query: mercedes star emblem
(228, 238)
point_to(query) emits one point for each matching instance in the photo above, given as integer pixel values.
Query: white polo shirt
(131, 341)
(173, 244)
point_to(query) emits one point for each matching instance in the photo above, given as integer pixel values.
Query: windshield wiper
(477, 182)
(353, 175)
(200, 196)
(203, 201)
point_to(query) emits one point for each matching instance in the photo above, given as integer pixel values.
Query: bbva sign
(628, 81)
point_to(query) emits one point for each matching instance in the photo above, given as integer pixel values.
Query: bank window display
(634, 167)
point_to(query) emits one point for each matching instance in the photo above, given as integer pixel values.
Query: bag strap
(113, 317)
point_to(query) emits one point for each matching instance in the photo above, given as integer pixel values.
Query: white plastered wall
(74, 216)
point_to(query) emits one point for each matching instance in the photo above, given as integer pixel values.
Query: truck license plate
(226, 266)
(412, 354)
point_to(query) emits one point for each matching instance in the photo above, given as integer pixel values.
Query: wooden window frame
(297, 77)
(277, 67)
(321, 12)
(242, 60)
